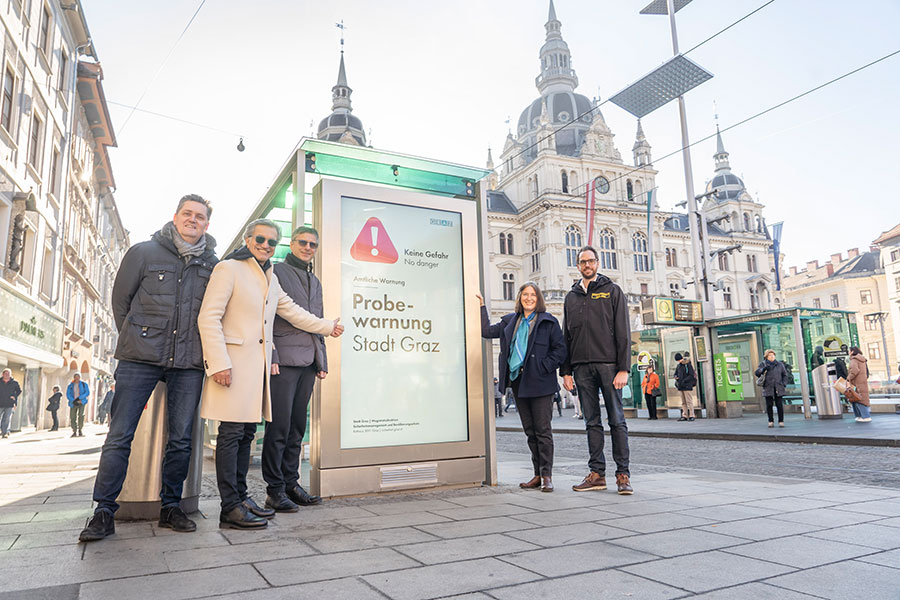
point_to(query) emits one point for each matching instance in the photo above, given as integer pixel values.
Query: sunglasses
(262, 239)
(304, 244)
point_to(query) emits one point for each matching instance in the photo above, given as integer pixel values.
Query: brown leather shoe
(546, 484)
(623, 484)
(594, 481)
(532, 484)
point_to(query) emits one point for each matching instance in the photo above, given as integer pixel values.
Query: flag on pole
(776, 250)
(589, 202)
(649, 227)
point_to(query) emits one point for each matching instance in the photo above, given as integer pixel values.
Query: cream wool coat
(235, 323)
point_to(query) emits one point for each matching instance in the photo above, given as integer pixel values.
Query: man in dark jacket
(156, 297)
(298, 359)
(9, 399)
(53, 406)
(598, 337)
(685, 380)
(103, 409)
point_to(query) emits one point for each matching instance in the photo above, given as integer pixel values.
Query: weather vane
(342, 27)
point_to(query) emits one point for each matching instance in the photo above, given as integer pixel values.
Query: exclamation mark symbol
(374, 231)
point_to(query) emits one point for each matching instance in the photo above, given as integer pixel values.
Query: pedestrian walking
(840, 368)
(774, 377)
(104, 408)
(818, 358)
(650, 387)
(77, 392)
(298, 360)
(685, 380)
(510, 400)
(155, 301)
(858, 377)
(531, 349)
(598, 339)
(238, 309)
(558, 400)
(9, 399)
(577, 402)
(53, 407)
(498, 398)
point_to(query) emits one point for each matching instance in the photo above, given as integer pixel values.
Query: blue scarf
(520, 347)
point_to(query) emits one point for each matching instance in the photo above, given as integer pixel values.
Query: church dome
(728, 185)
(562, 107)
(335, 125)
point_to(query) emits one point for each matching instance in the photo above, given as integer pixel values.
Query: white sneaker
(866, 420)
(858, 419)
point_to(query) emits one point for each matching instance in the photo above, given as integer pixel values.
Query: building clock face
(601, 184)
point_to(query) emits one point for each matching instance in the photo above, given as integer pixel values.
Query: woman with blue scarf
(531, 350)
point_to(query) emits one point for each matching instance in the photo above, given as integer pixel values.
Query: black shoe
(690, 418)
(682, 419)
(302, 497)
(280, 503)
(251, 505)
(74, 434)
(173, 518)
(241, 518)
(102, 524)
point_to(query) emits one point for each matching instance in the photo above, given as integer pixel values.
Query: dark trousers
(778, 401)
(592, 380)
(536, 414)
(558, 406)
(651, 405)
(55, 420)
(498, 405)
(233, 461)
(76, 417)
(284, 435)
(135, 383)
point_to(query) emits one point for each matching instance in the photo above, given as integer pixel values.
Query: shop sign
(643, 360)
(671, 311)
(700, 345)
(23, 321)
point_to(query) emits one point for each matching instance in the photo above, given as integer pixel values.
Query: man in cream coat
(235, 323)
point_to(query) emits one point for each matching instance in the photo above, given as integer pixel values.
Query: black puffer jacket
(595, 326)
(155, 302)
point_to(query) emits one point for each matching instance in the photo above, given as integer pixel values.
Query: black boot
(302, 497)
(173, 518)
(102, 524)
(281, 503)
(251, 505)
(241, 518)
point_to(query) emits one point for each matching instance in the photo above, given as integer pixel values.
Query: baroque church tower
(341, 125)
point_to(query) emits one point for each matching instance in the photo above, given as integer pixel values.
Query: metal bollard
(139, 499)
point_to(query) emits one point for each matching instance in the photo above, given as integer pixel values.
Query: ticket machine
(729, 391)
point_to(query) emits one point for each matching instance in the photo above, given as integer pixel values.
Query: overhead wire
(159, 69)
(178, 119)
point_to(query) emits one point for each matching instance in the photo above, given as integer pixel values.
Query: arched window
(534, 187)
(535, 255)
(754, 299)
(607, 249)
(509, 244)
(723, 261)
(638, 190)
(629, 190)
(573, 244)
(503, 244)
(747, 222)
(750, 263)
(726, 295)
(509, 286)
(565, 183)
(641, 255)
(759, 227)
(671, 257)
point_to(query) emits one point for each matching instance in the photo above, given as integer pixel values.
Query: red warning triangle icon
(373, 244)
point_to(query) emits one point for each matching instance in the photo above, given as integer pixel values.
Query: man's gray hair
(251, 226)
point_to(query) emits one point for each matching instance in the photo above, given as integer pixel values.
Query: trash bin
(140, 493)
(828, 400)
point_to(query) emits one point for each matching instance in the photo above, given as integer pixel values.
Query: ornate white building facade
(536, 208)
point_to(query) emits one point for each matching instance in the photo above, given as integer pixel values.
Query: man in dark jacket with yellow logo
(598, 337)
(155, 300)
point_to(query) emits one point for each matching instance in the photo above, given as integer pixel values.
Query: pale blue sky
(439, 79)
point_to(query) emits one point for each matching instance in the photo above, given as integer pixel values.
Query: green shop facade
(794, 334)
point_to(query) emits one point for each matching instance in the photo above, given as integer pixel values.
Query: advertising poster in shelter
(403, 354)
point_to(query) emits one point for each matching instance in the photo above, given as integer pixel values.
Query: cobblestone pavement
(821, 462)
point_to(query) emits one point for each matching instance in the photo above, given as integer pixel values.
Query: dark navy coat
(546, 352)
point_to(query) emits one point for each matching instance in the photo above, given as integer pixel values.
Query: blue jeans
(593, 379)
(135, 383)
(5, 416)
(861, 410)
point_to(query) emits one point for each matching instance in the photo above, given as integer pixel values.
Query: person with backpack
(685, 380)
(772, 377)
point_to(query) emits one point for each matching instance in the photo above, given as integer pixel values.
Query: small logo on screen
(442, 222)
(373, 244)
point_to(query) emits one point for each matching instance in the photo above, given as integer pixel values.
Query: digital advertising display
(403, 375)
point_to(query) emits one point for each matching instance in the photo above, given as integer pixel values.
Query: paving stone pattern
(684, 533)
